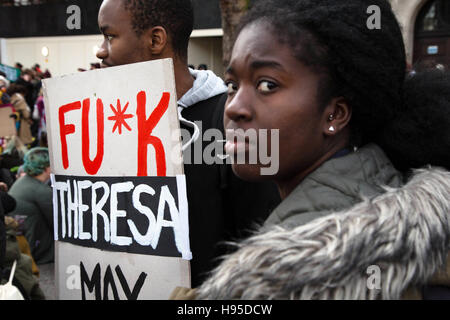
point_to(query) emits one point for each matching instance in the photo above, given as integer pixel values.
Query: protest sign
(12, 74)
(119, 194)
(7, 124)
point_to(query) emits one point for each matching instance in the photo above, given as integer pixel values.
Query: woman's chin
(249, 172)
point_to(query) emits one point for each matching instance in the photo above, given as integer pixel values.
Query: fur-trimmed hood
(402, 237)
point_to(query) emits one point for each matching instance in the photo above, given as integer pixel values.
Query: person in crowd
(3, 191)
(4, 82)
(19, 66)
(11, 250)
(2, 238)
(4, 97)
(95, 65)
(43, 140)
(13, 153)
(37, 86)
(143, 30)
(26, 272)
(37, 68)
(364, 157)
(39, 115)
(34, 200)
(7, 204)
(20, 172)
(26, 80)
(47, 74)
(17, 93)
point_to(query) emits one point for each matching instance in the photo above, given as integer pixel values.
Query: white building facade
(65, 54)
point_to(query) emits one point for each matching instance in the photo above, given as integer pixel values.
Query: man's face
(121, 44)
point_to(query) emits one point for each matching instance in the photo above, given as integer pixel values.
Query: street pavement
(47, 280)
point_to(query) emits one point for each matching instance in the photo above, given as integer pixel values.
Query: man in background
(221, 206)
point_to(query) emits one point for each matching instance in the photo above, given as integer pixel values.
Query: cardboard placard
(119, 194)
(12, 74)
(7, 124)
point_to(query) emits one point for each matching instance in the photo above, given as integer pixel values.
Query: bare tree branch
(232, 12)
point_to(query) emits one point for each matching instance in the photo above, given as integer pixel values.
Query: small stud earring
(331, 117)
(332, 129)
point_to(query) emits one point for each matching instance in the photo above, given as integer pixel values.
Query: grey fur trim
(405, 232)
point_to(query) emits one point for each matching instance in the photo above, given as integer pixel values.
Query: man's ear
(157, 37)
(337, 115)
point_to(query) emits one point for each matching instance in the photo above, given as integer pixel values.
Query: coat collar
(336, 185)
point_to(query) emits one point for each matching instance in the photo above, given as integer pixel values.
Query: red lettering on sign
(145, 128)
(145, 137)
(65, 129)
(90, 166)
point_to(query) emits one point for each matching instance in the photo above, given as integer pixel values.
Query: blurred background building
(41, 31)
(44, 32)
(426, 30)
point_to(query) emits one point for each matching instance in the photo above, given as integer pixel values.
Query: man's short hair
(176, 16)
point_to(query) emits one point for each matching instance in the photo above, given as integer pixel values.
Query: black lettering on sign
(108, 281)
(94, 283)
(91, 283)
(142, 215)
(131, 295)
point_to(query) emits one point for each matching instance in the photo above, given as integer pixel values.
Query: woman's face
(268, 88)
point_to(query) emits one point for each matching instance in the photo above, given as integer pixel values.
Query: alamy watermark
(73, 21)
(374, 20)
(253, 147)
(374, 279)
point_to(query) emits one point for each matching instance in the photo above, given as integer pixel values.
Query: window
(434, 18)
(25, 2)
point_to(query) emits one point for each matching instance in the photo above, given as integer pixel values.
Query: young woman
(351, 126)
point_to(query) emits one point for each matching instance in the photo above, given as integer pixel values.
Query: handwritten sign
(119, 194)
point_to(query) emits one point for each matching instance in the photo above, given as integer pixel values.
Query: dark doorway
(432, 35)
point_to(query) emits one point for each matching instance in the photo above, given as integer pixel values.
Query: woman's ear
(337, 115)
(157, 37)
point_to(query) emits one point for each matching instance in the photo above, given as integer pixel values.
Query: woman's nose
(238, 106)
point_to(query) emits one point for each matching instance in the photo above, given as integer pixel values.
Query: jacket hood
(206, 85)
(404, 233)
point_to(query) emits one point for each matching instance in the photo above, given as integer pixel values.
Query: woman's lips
(239, 143)
(236, 147)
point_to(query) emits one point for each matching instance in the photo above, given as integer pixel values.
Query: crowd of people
(25, 209)
(201, 66)
(93, 66)
(364, 142)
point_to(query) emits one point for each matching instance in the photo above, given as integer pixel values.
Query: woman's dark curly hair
(407, 117)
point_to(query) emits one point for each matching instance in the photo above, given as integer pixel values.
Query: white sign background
(120, 159)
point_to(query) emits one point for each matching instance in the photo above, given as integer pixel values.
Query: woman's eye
(108, 37)
(232, 88)
(266, 86)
